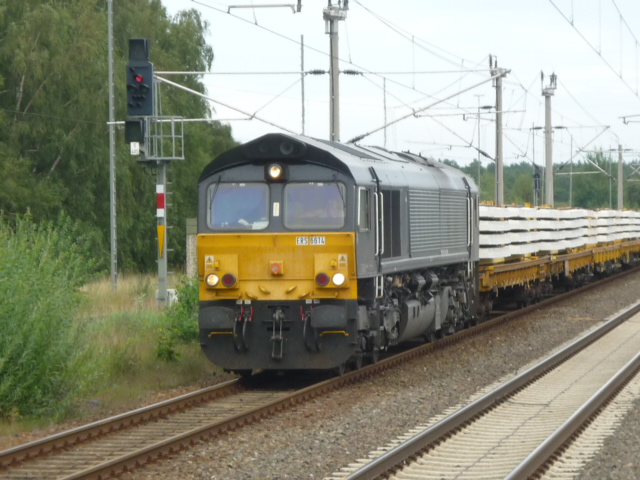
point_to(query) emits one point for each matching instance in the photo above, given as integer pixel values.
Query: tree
(53, 114)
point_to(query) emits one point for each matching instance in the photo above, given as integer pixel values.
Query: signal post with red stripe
(161, 208)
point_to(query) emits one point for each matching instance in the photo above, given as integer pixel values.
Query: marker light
(286, 148)
(275, 171)
(322, 279)
(212, 280)
(228, 280)
(339, 279)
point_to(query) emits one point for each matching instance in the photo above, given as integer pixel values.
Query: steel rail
(538, 459)
(394, 458)
(101, 428)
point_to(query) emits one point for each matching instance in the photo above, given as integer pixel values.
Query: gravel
(319, 437)
(619, 458)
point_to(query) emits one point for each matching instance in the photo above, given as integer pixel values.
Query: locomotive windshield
(239, 205)
(314, 205)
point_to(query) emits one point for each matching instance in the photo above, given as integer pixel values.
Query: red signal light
(139, 78)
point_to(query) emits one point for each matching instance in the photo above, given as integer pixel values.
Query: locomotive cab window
(314, 205)
(239, 205)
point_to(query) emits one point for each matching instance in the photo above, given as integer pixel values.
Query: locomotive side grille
(424, 208)
(453, 219)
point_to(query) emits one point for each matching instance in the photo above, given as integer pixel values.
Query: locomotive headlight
(212, 280)
(275, 171)
(338, 279)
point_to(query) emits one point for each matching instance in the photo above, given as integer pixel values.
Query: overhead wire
(587, 113)
(387, 92)
(278, 96)
(177, 85)
(403, 33)
(297, 42)
(635, 93)
(412, 39)
(415, 43)
(326, 54)
(366, 134)
(623, 20)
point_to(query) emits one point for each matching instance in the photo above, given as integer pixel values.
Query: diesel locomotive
(317, 255)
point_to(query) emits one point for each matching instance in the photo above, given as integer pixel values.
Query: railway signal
(139, 79)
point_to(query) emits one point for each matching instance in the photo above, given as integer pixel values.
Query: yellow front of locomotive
(277, 266)
(300, 266)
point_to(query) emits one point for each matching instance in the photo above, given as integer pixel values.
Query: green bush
(181, 320)
(41, 268)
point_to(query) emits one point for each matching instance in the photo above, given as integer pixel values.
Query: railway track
(521, 428)
(122, 443)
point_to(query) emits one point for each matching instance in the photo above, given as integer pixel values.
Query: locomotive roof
(353, 160)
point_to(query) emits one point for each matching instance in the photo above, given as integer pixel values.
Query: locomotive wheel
(341, 369)
(358, 360)
(375, 355)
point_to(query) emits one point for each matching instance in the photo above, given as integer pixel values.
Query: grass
(119, 331)
(135, 293)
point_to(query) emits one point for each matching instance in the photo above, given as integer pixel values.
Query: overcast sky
(417, 52)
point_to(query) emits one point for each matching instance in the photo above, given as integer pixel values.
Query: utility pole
(548, 138)
(537, 181)
(571, 175)
(302, 76)
(112, 155)
(620, 179)
(480, 152)
(332, 15)
(384, 101)
(499, 158)
(479, 146)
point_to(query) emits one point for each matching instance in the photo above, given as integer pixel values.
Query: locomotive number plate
(311, 241)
